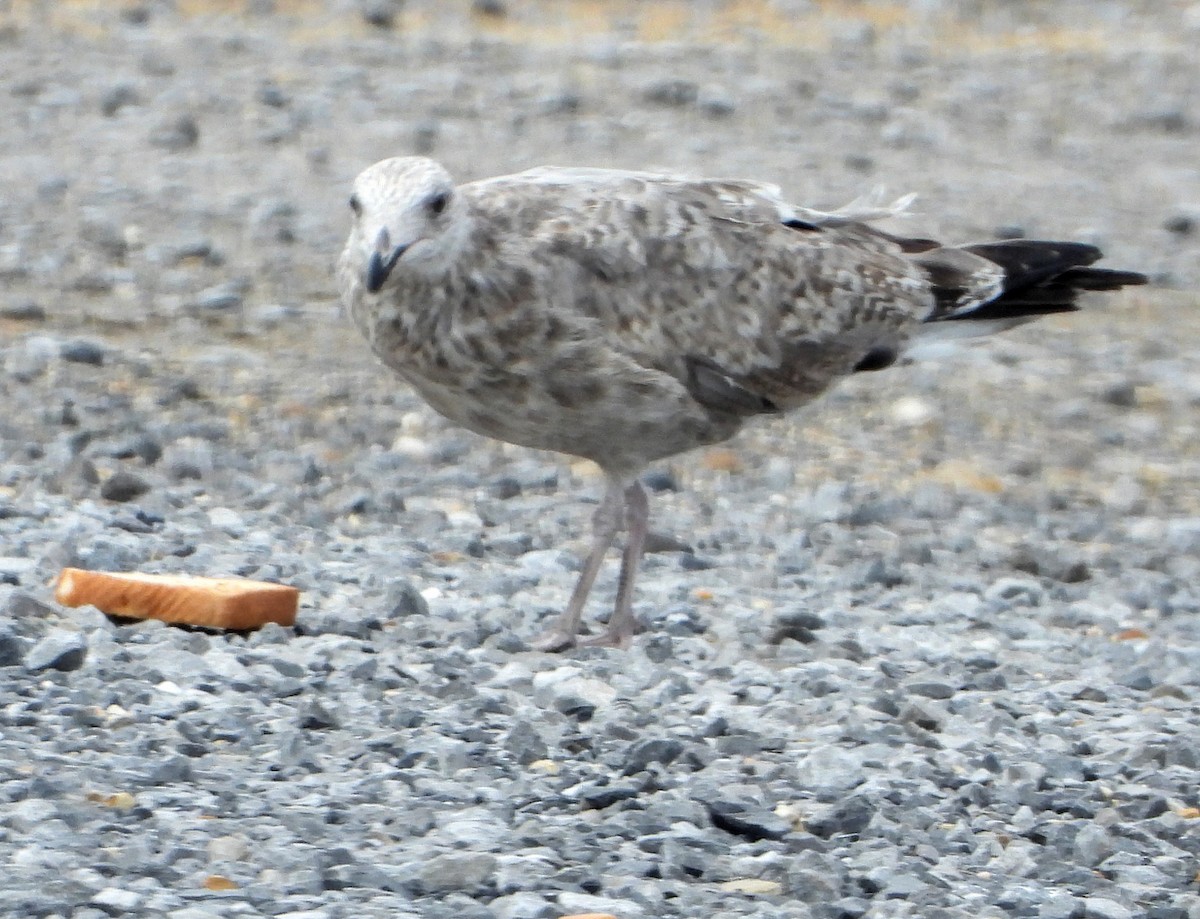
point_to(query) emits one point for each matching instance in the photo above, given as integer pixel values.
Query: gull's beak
(382, 261)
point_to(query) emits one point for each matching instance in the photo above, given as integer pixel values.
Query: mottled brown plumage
(625, 317)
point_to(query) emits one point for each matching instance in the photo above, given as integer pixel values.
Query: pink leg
(605, 524)
(619, 633)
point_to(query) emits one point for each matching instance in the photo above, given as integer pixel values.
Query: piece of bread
(215, 603)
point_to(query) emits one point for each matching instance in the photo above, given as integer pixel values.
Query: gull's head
(407, 216)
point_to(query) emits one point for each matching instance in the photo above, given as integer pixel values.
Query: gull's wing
(746, 299)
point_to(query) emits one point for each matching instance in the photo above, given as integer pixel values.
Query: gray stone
(1104, 908)
(23, 311)
(118, 97)
(523, 905)
(662, 750)
(671, 92)
(1060, 905)
(180, 132)
(750, 821)
(220, 298)
(82, 351)
(117, 901)
(123, 486)
(12, 648)
(465, 871)
(59, 650)
(405, 600)
(1093, 844)
(380, 13)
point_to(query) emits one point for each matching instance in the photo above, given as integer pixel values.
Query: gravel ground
(928, 650)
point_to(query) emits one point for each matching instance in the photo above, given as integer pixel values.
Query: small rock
(172, 770)
(523, 905)
(903, 887)
(673, 92)
(60, 650)
(220, 298)
(660, 480)
(53, 189)
(505, 488)
(1093, 844)
(1104, 908)
(425, 137)
(23, 311)
(21, 605)
(82, 351)
(658, 750)
(315, 717)
(179, 133)
(404, 600)
(1122, 395)
(123, 486)
(759, 887)
(466, 871)
(12, 648)
(116, 900)
(380, 13)
(566, 102)
(798, 625)
(584, 904)
(597, 796)
(117, 97)
(1009, 592)
(494, 9)
(525, 743)
(717, 104)
(1009, 231)
(512, 545)
(228, 849)
(1059, 905)
(566, 691)
(931, 690)
(1139, 678)
(690, 562)
(664, 542)
(271, 95)
(750, 821)
(137, 14)
(1182, 223)
(849, 818)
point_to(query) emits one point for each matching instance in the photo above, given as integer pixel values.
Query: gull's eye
(356, 205)
(438, 203)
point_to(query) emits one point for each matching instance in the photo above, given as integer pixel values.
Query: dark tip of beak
(380, 266)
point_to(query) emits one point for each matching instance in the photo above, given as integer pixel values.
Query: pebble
(116, 901)
(177, 133)
(1104, 908)
(23, 311)
(123, 486)
(82, 351)
(65, 651)
(671, 92)
(118, 97)
(452, 871)
(12, 649)
(380, 13)
(220, 298)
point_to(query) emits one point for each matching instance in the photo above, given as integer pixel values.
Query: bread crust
(215, 603)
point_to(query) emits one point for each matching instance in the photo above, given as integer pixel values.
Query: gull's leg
(619, 633)
(605, 525)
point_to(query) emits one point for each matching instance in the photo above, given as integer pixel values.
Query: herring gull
(629, 316)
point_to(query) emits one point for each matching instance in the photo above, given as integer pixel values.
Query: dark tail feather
(1042, 277)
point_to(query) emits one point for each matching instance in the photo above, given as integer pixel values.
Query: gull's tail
(998, 285)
